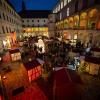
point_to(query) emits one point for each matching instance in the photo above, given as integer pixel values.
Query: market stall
(15, 54)
(93, 65)
(34, 69)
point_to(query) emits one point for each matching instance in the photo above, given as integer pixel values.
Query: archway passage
(83, 20)
(92, 18)
(76, 21)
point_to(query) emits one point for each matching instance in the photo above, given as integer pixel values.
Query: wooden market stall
(93, 62)
(34, 69)
(15, 54)
(93, 65)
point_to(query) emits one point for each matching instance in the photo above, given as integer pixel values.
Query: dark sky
(34, 4)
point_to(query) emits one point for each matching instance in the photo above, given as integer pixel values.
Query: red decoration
(34, 70)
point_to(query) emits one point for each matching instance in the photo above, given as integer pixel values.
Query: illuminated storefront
(76, 21)
(36, 31)
(34, 70)
(6, 42)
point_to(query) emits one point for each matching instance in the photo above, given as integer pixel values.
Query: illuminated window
(55, 10)
(65, 2)
(75, 36)
(61, 4)
(59, 7)
(69, 1)
(67, 11)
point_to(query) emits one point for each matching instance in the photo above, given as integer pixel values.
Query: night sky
(34, 4)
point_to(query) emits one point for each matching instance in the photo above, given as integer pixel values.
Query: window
(44, 20)
(3, 29)
(27, 20)
(3, 16)
(23, 25)
(58, 7)
(61, 4)
(67, 11)
(55, 11)
(69, 1)
(65, 2)
(7, 30)
(32, 20)
(7, 18)
(38, 20)
(22, 20)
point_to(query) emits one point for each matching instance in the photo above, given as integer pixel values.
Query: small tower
(23, 6)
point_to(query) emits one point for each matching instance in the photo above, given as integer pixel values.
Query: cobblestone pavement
(91, 87)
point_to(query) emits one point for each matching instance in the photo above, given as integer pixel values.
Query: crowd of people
(57, 53)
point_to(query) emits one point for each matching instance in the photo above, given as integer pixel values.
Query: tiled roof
(34, 13)
(14, 51)
(31, 64)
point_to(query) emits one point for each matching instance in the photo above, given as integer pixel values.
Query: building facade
(78, 20)
(35, 23)
(51, 24)
(10, 24)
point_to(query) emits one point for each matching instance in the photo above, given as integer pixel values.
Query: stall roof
(31, 64)
(66, 85)
(95, 60)
(14, 51)
(40, 61)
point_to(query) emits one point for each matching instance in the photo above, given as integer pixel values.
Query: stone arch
(92, 18)
(83, 20)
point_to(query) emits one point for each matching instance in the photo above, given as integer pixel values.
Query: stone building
(78, 20)
(10, 24)
(35, 22)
